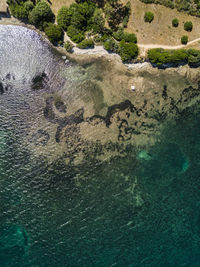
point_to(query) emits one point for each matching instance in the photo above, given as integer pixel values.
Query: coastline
(87, 56)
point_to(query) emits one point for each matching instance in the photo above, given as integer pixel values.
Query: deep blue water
(139, 210)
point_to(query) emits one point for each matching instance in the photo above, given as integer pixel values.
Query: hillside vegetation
(192, 7)
(113, 24)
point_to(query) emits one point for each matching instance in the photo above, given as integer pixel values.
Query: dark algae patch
(93, 174)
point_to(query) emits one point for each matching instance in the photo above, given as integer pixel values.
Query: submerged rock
(144, 155)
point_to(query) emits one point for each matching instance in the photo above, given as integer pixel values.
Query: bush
(188, 26)
(175, 22)
(111, 45)
(193, 57)
(161, 56)
(64, 17)
(128, 51)
(118, 35)
(105, 37)
(69, 47)
(125, 21)
(97, 38)
(87, 43)
(129, 37)
(54, 33)
(76, 35)
(148, 17)
(184, 39)
(40, 14)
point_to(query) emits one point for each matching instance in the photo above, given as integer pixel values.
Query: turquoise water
(142, 209)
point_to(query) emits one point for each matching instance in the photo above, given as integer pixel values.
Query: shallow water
(75, 189)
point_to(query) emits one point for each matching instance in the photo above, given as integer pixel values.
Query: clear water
(137, 207)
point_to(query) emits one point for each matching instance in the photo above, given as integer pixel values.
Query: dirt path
(145, 47)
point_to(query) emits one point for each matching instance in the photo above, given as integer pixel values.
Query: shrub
(54, 33)
(69, 47)
(184, 39)
(118, 35)
(125, 21)
(87, 43)
(188, 26)
(64, 17)
(111, 45)
(129, 37)
(193, 57)
(97, 38)
(41, 13)
(175, 22)
(128, 51)
(76, 35)
(105, 37)
(161, 56)
(148, 17)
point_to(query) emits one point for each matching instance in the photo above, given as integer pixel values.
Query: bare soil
(160, 30)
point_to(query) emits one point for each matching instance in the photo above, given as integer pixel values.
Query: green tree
(64, 17)
(54, 33)
(128, 51)
(20, 9)
(148, 17)
(98, 21)
(75, 34)
(41, 13)
(175, 22)
(188, 26)
(184, 39)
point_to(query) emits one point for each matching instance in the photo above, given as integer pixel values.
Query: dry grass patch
(57, 4)
(160, 30)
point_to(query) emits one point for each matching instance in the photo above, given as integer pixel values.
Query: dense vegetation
(82, 20)
(160, 56)
(85, 20)
(38, 14)
(54, 33)
(192, 7)
(20, 9)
